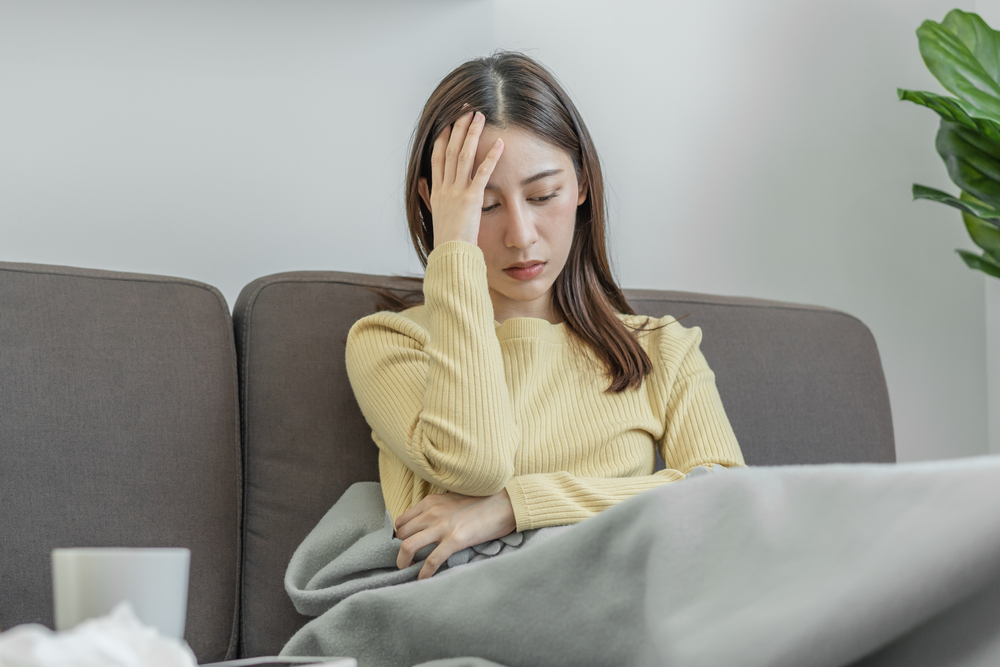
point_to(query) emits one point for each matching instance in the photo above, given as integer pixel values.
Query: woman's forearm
(437, 395)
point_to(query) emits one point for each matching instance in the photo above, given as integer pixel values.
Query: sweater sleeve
(437, 398)
(696, 432)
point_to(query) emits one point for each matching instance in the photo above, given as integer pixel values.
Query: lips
(525, 272)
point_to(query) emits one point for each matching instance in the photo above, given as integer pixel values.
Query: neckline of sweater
(530, 327)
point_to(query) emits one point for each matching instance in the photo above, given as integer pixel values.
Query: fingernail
(476, 116)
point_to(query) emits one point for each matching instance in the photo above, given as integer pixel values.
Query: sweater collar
(531, 327)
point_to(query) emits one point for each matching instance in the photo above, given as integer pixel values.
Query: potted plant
(963, 54)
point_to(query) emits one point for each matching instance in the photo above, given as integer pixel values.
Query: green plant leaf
(981, 210)
(981, 40)
(983, 233)
(961, 53)
(980, 262)
(972, 160)
(952, 110)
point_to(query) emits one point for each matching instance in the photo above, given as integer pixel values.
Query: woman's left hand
(453, 521)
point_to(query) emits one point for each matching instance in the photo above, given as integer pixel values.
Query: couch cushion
(119, 426)
(801, 384)
(304, 438)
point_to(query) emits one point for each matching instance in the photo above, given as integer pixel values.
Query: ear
(583, 192)
(425, 193)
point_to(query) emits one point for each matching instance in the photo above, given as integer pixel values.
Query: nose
(520, 232)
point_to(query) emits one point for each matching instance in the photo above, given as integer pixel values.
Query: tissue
(116, 640)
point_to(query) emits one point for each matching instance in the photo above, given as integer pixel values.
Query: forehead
(524, 154)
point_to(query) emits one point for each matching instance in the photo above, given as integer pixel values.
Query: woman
(524, 392)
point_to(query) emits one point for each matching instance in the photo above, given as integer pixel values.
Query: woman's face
(529, 215)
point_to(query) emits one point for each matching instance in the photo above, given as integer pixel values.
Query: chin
(527, 292)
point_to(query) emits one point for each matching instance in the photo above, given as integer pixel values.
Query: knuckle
(464, 155)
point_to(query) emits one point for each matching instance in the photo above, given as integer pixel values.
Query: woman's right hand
(456, 196)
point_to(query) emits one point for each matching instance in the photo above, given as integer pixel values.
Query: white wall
(752, 149)
(218, 141)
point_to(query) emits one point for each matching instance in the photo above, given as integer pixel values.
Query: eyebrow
(531, 179)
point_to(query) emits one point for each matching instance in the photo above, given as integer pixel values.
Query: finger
(467, 156)
(489, 163)
(438, 557)
(407, 516)
(410, 546)
(437, 158)
(414, 525)
(422, 506)
(458, 133)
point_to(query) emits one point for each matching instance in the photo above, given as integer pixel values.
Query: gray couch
(134, 413)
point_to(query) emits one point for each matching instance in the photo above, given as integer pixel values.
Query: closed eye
(546, 198)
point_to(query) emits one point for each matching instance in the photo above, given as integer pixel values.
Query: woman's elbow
(475, 478)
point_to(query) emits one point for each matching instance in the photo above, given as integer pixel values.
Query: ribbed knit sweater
(459, 402)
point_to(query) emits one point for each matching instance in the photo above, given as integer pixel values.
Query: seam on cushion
(278, 278)
(778, 305)
(237, 602)
(244, 401)
(100, 274)
(781, 305)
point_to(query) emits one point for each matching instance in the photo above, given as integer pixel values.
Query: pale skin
(518, 210)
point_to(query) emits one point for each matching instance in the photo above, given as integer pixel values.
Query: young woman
(524, 392)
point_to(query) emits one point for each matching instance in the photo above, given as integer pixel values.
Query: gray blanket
(835, 565)
(352, 549)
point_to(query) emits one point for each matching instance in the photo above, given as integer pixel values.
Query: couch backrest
(800, 384)
(119, 426)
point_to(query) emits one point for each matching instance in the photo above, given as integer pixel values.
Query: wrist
(508, 507)
(519, 505)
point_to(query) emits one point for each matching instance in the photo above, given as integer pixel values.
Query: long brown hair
(512, 90)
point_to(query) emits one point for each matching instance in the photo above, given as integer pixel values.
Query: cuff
(522, 513)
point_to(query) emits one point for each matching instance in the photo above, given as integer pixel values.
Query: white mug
(87, 583)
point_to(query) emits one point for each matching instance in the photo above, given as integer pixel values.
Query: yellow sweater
(458, 402)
